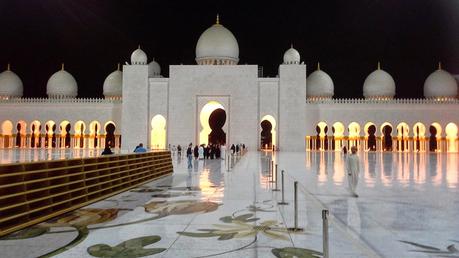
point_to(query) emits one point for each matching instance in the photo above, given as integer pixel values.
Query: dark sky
(409, 37)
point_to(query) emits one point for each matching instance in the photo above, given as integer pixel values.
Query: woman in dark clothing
(196, 152)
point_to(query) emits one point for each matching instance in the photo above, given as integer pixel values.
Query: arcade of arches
(63, 134)
(399, 137)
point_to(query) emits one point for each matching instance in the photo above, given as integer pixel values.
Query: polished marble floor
(408, 206)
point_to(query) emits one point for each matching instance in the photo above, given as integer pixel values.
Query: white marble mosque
(291, 112)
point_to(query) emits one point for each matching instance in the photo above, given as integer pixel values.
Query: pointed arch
(158, 132)
(451, 137)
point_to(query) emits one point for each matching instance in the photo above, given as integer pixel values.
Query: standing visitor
(222, 151)
(353, 170)
(196, 152)
(233, 149)
(179, 151)
(201, 151)
(189, 155)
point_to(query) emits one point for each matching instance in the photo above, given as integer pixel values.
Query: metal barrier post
(283, 188)
(272, 172)
(275, 189)
(295, 207)
(325, 233)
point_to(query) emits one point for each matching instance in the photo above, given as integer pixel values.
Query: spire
(439, 65)
(118, 68)
(8, 67)
(318, 66)
(139, 46)
(291, 45)
(218, 19)
(62, 67)
(379, 66)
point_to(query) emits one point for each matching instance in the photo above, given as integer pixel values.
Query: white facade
(162, 111)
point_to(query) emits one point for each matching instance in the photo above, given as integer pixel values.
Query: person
(140, 148)
(189, 155)
(233, 149)
(107, 150)
(344, 150)
(174, 149)
(179, 151)
(222, 151)
(196, 152)
(353, 170)
(201, 151)
(237, 149)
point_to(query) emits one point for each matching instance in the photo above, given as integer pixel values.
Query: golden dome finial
(379, 65)
(8, 67)
(218, 19)
(439, 65)
(318, 66)
(62, 67)
(291, 45)
(139, 46)
(118, 68)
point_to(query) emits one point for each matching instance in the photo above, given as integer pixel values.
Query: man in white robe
(353, 170)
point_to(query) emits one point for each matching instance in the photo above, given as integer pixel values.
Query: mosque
(219, 101)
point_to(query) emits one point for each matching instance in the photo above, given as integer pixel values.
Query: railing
(37, 191)
(60, 100)
(381, 101)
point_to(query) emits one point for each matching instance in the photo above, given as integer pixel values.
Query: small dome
(10, 84)
(440, 84)
(138, 57)
(319, 85)
(217, 46)
(62, 85)
(379, 85)
(154, 70)
(291, 56)
(113, 84)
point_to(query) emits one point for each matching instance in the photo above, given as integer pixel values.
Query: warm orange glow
(271, 119)
(206, 111)
(354, 133)
(339, 135)
(451, 137)
(158, 132)
(7, 127)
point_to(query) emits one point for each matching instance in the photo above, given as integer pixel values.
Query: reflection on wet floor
(388, 169)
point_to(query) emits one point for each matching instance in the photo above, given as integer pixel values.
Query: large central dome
(217, 46)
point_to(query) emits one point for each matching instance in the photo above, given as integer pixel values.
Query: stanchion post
(295, 207)
(283, 190)
(325, 233)
(276, 175)
(272, 172)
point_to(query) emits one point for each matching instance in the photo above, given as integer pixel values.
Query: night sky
(348, 38)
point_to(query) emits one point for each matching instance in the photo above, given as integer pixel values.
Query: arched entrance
(419, 131)
(110, 134)
(216, 122)
(370, 133)
(451, 137)
(402, 137)
(212, 118)
(268, 132)
(386, 131)
(338, 135)
(435, 136)
(158, 132)
(7, 132)
(21, 134)
(65, 134)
